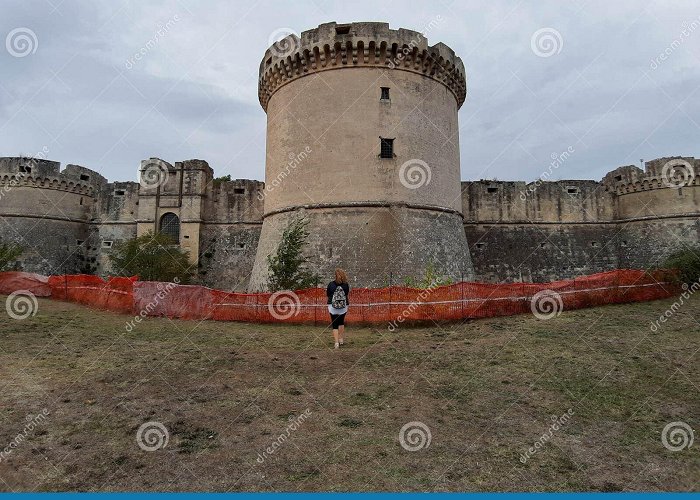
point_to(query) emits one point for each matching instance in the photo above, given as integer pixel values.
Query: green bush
(9, 253)
(687, 261)
(153, 257)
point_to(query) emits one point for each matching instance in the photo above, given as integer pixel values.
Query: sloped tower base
(377, 246)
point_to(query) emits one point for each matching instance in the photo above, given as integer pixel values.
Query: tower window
(385, 93)
(387, 148)
(119, 192)
(342, 30)
(492, 189)
(170, 225)
(84, 177)
(238, 190)
(25, 169)
(106, 244)
(572, 190)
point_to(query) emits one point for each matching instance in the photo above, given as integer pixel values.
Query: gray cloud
(193, 94)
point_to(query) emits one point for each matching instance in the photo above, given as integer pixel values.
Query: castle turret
(46, 211)
(363, 141)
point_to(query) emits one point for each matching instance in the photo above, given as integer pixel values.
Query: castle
(362, 141)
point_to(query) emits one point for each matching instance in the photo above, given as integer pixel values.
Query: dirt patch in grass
(270, 407)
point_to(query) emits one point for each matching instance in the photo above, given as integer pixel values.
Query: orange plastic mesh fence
(12, 281)
(115, 294)
(392, 306)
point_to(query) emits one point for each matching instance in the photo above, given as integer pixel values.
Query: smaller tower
(172, 200)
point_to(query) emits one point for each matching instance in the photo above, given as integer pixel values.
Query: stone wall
(545, 231)
(230, 234)
(69, 221)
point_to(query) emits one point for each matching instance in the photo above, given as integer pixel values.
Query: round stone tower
(363, 141)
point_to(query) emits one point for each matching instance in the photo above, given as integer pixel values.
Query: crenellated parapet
(46, 174)
(333, 46)
(661, 173)
(56, 183)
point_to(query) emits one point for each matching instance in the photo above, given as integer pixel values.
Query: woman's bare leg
(335, 336)
(341, 332)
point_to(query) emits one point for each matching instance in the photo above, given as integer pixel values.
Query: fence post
(461, 286)
(391, 280)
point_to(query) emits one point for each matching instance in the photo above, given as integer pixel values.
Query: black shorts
(337, 320)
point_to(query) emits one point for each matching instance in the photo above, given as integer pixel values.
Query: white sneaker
(337, 345)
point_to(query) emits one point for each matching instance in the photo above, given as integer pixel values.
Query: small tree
(687, 261)
(287, 269)
(9, 252)
(224, 178)
(153, 257)
(431, 279)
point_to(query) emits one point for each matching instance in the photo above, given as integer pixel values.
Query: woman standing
(338, 292)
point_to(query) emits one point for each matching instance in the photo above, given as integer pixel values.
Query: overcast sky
(592, 80)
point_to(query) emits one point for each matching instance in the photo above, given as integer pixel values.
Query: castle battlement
(46, 174)
(334, 46)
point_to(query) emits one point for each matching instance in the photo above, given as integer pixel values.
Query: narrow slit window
(385, 94)
(386, 148)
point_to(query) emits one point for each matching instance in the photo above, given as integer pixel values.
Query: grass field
(225, 392)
